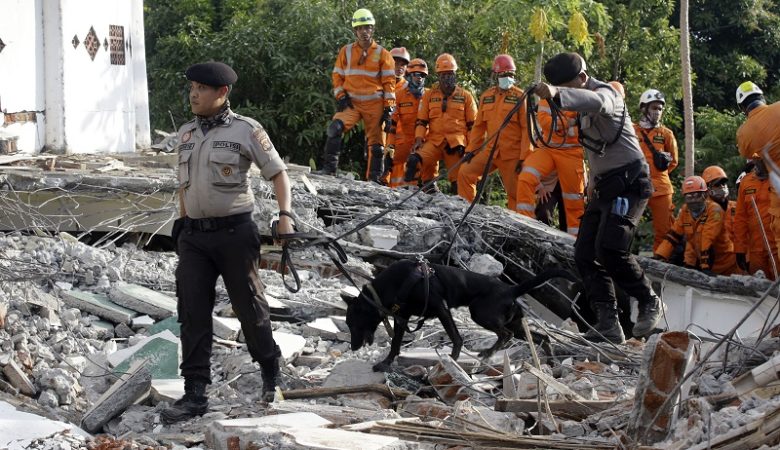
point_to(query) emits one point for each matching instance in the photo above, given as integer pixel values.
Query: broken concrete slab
(327, 438)
(290, 344)
(324, 327)
(98, 305)
(339, 415)
(132, 385)
(164, 390)
(258, 428)
(171, 324)
(18, 430)
(353, 372)
(429, 356)
(161, 350)
(379, 236)
(143, 300)
(18, 378)
(142, 322)
(226, 327)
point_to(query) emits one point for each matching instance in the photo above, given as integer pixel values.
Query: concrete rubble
(89, 343)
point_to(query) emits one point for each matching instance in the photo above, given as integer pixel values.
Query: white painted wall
(89, 106)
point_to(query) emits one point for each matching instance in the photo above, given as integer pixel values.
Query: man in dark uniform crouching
(619, 185)
(215, 234)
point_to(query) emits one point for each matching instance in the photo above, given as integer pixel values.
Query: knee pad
(336, 128)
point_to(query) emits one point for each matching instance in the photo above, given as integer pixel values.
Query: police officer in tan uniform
(215, 234)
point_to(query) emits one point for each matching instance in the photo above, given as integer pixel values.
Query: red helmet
(713, 173)
(417, 65)
(446, 63)
(400, 52)
(694, 183)
(503, 63)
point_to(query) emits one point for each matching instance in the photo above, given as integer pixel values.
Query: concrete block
(291, 344)
(226, 327)
(131, 385)
(143, 300)
(323, 327)
(43, 300)
(339, 415)
(98, 305)
(142, 322)
(486, 265)
(327, 438)
(379, 236)
(18, 378)
(171, 324)
(19, 430)
(353, 372)
(258, 428)
(428, 357)
(167, 390)
(161, 350)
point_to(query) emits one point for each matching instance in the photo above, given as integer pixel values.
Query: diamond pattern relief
(2, 45)
(75, 41)
(92, 43)
(116, 36)
(105, 44)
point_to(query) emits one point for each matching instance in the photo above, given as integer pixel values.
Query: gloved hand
(343, 103)
(468, 156)
(418, 143)
(390, 151)
(386, 119)
(519, 166)
(742, 261)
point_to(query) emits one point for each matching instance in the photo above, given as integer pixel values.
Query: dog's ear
(348, 299)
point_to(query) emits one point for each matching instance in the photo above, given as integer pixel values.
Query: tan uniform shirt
(213, 169)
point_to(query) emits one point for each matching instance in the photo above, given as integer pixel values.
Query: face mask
(416, 85)
(505, 83)
(654, 117)
(448, 81)
(696, 207)
(720, 192)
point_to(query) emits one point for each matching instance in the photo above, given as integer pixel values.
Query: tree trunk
(685, 56)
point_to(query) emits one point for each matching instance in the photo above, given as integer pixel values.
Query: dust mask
(505, 83)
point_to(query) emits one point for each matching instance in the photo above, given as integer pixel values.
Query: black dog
(402, 292)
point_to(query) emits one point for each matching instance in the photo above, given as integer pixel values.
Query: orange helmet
(694, 183)
(713, 173)
(618, 87)
(417, 65)
(503, 63)
(400, 52)
(446, 63)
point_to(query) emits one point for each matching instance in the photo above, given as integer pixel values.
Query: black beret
(212, 74)
(563, 68)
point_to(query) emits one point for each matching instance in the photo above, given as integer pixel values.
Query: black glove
(469, 156)
(343, 103)
(386, 120)
(742, 261)
(519, 166)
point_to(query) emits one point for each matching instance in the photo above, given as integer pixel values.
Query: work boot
(270, 372)
(193, 403)
(648, 317)
(330, 159)
(607, 326)
(376, 159)
(454, 187)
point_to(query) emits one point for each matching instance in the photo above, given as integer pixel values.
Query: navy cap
(563, 68)
(212, 73)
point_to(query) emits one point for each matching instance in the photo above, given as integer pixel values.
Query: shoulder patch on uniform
(659, 138)
(262, 138)
(186, 136)
(490, 99)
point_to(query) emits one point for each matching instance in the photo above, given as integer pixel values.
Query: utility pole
(685, 56)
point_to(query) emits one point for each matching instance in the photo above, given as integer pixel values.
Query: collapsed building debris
(88, 333)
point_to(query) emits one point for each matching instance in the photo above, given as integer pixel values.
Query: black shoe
(194, 403)
(608, 328)
(270, 372)
(648, 317)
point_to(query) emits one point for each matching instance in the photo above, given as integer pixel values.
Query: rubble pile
(89, 352)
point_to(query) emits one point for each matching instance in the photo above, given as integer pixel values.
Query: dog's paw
(486, 353)
(381, 367)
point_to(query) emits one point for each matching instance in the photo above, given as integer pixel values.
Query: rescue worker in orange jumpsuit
(513, 144)
(750, 242)
(447, 113)
(718, 189)
(660, 148)
(400, 138)
(364, 87)
(701, 221)
(563, 154)
(401, 58)
(761, 135)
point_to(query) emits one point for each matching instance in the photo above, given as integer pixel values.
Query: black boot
(330, 159)
(376, 159)
(270, 372)
(608, 326)
(411, 167)
(648, 317)
(454, 188)
(193, 403)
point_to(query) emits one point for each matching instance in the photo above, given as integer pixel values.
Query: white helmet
(651, 95)
(747, 89)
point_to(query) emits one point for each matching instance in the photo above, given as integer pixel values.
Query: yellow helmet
(362, 17)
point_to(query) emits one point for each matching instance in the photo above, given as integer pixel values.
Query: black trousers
(234, 253)
(602, 250)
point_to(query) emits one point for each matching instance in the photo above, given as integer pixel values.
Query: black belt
(217, 223)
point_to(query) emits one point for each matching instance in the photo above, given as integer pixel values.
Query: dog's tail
(540, 279)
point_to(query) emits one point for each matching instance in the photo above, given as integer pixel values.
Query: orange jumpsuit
(707, 246)
(442, 130)
(401, 136)
(567, 159)
(748, 238)
(513, 144)
(370, 84)
(761, 135)
(660, 204)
